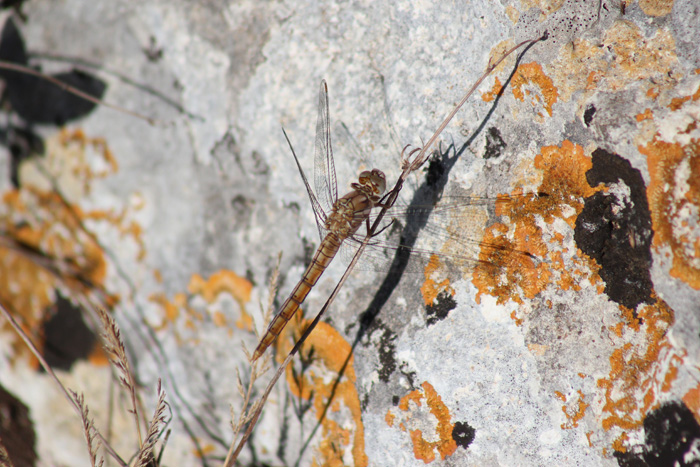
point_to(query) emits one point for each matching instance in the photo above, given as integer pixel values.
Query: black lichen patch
(16, 431)
(440, 308)
(671, 437)
(66, 337)
(614, 228)
(463, 434)
(35, 99)
(588, 114)
(494, 143)
(386, 351)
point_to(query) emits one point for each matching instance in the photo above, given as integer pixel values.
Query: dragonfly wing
(319, 213)
(449, 233)
(324, 168)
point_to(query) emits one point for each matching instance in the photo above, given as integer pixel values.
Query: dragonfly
(338, 220)
(346, 216)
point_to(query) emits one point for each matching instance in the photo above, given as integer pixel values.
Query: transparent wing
(319, 213)
(449, 232)
(324, 167)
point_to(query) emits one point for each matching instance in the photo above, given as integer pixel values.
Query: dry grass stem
(145, 456)
(89, 430)
(258, 368)
(116, 351)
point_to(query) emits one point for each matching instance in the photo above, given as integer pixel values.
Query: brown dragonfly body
(347, 215)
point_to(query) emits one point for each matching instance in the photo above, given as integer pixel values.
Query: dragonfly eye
(378, 181)
(375, 180)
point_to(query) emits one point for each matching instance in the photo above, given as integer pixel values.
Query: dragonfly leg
(383, 228)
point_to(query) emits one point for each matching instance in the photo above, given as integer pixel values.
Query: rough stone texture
(587, 356)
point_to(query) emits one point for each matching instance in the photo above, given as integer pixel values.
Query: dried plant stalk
(116, 351)
(89, 430)
(145, 455)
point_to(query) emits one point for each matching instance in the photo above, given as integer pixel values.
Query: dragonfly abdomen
(322, 258)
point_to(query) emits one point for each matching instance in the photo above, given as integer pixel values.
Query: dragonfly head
(374, 181)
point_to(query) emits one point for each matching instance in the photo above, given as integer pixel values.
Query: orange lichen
(677, 102)
(588, 438)
(329, 382)
(575, 412)
(179, 309)
(509, 276)
(619, 443)
(691, 399)
(225, 281)
(646, 115)
(489, 96)
(412, 411)
(643, 367)
(674, 196)
(530, 80)
(516, 320)
(430, 288)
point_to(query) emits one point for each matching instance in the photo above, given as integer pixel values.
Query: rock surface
(587, 354)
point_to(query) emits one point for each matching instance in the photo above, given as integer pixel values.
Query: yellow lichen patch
(72, 162)
(626, 56)
(636, 57)
(429, 438)
(656, 7)
(507, 269)
(431, 288)
(531, 81)
(496, 53)
(545, 6)
(691, 399)
(201, 303)
(674, 197)
(641, 369)
(574, 411)
(646, 115)
(579, 66)
(489, 96)
(329, 381)
(171, 309)
(512, 13)
(225, 281)
(619, 443)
